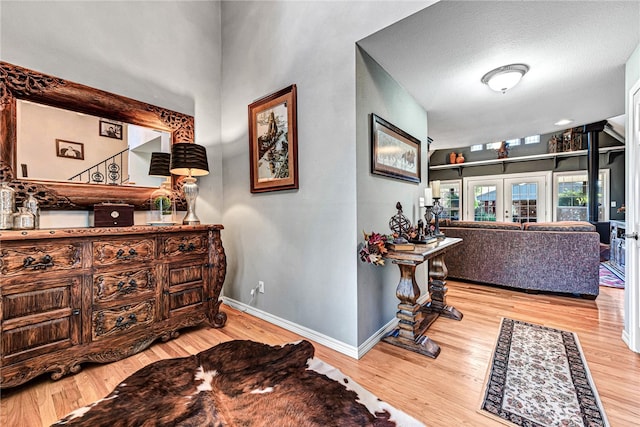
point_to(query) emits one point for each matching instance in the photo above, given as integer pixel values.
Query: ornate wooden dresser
(69, 296)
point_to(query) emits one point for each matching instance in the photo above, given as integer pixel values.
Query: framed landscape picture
(394, 153)
(273, 142)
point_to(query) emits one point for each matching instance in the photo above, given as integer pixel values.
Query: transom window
(533, 139)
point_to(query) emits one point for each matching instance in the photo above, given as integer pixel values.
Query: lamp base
(190, 220)
(190, 189)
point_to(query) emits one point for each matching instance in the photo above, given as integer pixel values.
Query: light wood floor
(441, 392)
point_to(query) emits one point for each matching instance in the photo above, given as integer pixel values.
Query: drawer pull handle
(30, 262)
(184, 248)
(75, 311)
(124, 323)
(132, 285)
(121, 254)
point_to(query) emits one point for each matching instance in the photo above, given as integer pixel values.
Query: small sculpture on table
(421, 231)
(400, 225)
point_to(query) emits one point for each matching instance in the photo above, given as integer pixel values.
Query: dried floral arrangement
(373, 248)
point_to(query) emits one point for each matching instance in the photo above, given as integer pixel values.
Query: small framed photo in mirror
(70, 149)
(110, 130)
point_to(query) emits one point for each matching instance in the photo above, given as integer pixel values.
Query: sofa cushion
(487, 224)
(559, 226)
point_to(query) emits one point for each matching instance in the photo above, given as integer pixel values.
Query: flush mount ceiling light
(504, 78)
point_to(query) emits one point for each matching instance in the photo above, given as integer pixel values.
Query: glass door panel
(525, 199)
(484, 201)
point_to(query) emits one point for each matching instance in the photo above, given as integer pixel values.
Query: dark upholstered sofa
(556, 256)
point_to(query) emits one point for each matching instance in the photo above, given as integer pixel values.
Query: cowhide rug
(240, 383)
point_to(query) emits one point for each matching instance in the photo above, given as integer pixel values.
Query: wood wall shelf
(555, 156)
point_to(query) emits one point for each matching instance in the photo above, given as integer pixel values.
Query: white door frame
(631, 333)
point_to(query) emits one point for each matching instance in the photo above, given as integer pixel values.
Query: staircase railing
(108, 171)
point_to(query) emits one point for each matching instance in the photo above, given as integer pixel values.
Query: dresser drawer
(185, 244)
(119, 321)
(123, 251)
(39, 299)
(186, 287)
(123, 285)
(39, 318)
(35, 259)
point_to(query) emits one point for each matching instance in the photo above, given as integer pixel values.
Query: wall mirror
(60, 140)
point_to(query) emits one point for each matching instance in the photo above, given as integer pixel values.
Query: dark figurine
(503, 151)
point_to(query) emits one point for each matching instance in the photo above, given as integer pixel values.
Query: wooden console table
(414, 319)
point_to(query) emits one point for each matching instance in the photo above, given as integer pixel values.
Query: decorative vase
(162, 206)
(23, 219)
(31, 203)
(452, 158)
(460, 158)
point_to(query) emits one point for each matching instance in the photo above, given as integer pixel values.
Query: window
(571, 196)
(513, 142)
(534, 139)
(450, 199)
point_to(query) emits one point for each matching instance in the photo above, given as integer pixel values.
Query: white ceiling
(576, 52)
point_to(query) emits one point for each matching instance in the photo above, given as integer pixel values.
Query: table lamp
(190, 160)
(162, 209)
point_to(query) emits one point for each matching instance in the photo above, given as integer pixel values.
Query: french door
(512, 198)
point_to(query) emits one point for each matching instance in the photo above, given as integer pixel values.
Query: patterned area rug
(538, 377)
(240, 383)
(608, 278)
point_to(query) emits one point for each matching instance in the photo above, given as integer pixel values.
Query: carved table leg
(438, 291)
(411, 325)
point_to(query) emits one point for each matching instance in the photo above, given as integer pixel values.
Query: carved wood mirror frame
(22, 83)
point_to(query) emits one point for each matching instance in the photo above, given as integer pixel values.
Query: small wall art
(394, 153)
(273, 142)
(70, 149)
(110, 130)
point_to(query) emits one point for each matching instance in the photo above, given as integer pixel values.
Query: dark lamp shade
(159, 165)
(188, 159)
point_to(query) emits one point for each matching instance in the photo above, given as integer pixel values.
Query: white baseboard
(626, 339)
(325, 340)
(375, 338)
(629, 342)
(332, 343)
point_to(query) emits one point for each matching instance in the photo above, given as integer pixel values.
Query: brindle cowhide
(240, 383)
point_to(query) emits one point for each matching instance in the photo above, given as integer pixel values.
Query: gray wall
(182, 55)
(166, 53)
(377, 92)
(302, 243)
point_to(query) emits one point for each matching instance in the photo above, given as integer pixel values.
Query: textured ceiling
(576, 52)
